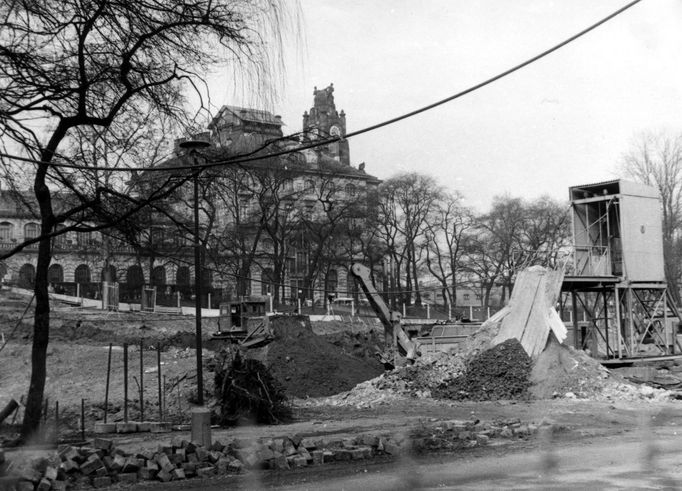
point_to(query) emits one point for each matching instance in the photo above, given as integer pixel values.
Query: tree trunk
(41, 337)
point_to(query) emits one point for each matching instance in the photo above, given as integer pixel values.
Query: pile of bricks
(103, 464)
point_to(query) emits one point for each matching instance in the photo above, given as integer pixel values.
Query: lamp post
(192, 145)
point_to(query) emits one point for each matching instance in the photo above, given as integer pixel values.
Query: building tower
(324, 121)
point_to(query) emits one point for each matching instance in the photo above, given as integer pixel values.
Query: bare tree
(655, 159)
(66, 65)
(446, 243)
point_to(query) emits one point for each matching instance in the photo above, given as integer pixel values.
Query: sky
(565, 120)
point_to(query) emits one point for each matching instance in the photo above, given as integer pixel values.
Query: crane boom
(391, 319)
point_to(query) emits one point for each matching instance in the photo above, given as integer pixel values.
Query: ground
(77, 371)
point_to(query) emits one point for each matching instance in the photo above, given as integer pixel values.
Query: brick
(178, 474)
(59, 485)
(177, 459)
(101, 482)
(164, 462)
(202, 454)
(128, 477)
(214, 456)
(165, 449)
(91, 466)
(190, 447)
(103, 444)
(152, 465)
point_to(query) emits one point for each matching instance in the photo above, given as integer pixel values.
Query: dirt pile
(306, 364)
(562, 371)
(501, 372)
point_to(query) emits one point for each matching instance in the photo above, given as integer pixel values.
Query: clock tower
(324, 121)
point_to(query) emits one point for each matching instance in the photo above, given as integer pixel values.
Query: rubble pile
(501, 372)
(562, 371)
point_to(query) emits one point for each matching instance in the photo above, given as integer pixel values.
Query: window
(182, 276)
(112, 274)
(288, 185)
(244, 209)
(27, 276)
(83, 238)
(351, 190)
(31, 231)
(6, 231)
(466, 296)
(134, 277)
(82, 274)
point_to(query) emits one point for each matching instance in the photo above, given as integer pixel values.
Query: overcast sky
(563, 121)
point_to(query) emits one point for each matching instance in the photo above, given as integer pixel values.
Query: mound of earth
(306, 364)
(501, 372)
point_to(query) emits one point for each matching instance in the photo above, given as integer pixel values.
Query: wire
(243, 159)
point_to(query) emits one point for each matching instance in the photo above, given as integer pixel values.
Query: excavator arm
(391, 319)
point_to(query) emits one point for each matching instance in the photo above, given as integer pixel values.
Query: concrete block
(192, 457)
(202, 454)
(144, 427)
(482, 439)
(146, 474)
(318, 456)
(300, 461)
(177, 459)
(235, 466)
(103, 444)
(277, 445)
(128, 477)
(391, 448)
(279, 462)
(118, 463)
(102, 471)
(308, 444)
(369, 440)
(222, 465)
(214, 456)
(159, 427)
(164, 462)
(68, 466)
(163, 475)
(59, 485)
(103, 428)
(328, 456)
(201, 426)
(296, 439)
(305, 454)
(101, 482)
(51, 473)
(206, 472)
(44, 485)
(178, 474)
(181, 452)
(357, 454)
(176, 442)
(91, 466)
(342, 454)
(126, 427)
(190, 468)
(132, 465)
(217, 446)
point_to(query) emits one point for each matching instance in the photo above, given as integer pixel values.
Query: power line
(250, 158)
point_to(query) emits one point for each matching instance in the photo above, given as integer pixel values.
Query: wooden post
(164, 392)
(125, 382)
(158, 372)
(83, 420)
(56, 421)
(141, 379)
(106, 390)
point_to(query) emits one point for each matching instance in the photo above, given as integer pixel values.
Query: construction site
(584, 354)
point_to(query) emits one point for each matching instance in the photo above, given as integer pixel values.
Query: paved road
(641, 460)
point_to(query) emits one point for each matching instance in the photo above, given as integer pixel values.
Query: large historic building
(309, 189)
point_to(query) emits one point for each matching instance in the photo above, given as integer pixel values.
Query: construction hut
(615, 284)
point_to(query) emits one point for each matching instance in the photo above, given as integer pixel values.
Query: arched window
(332, 281)
(134, 276)
(27, 276)
(82, 274)
(182, 276)
(267, 284)
(55, 274)
(6, 231)
(31, 231)
(159, 276)
(112, 274)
